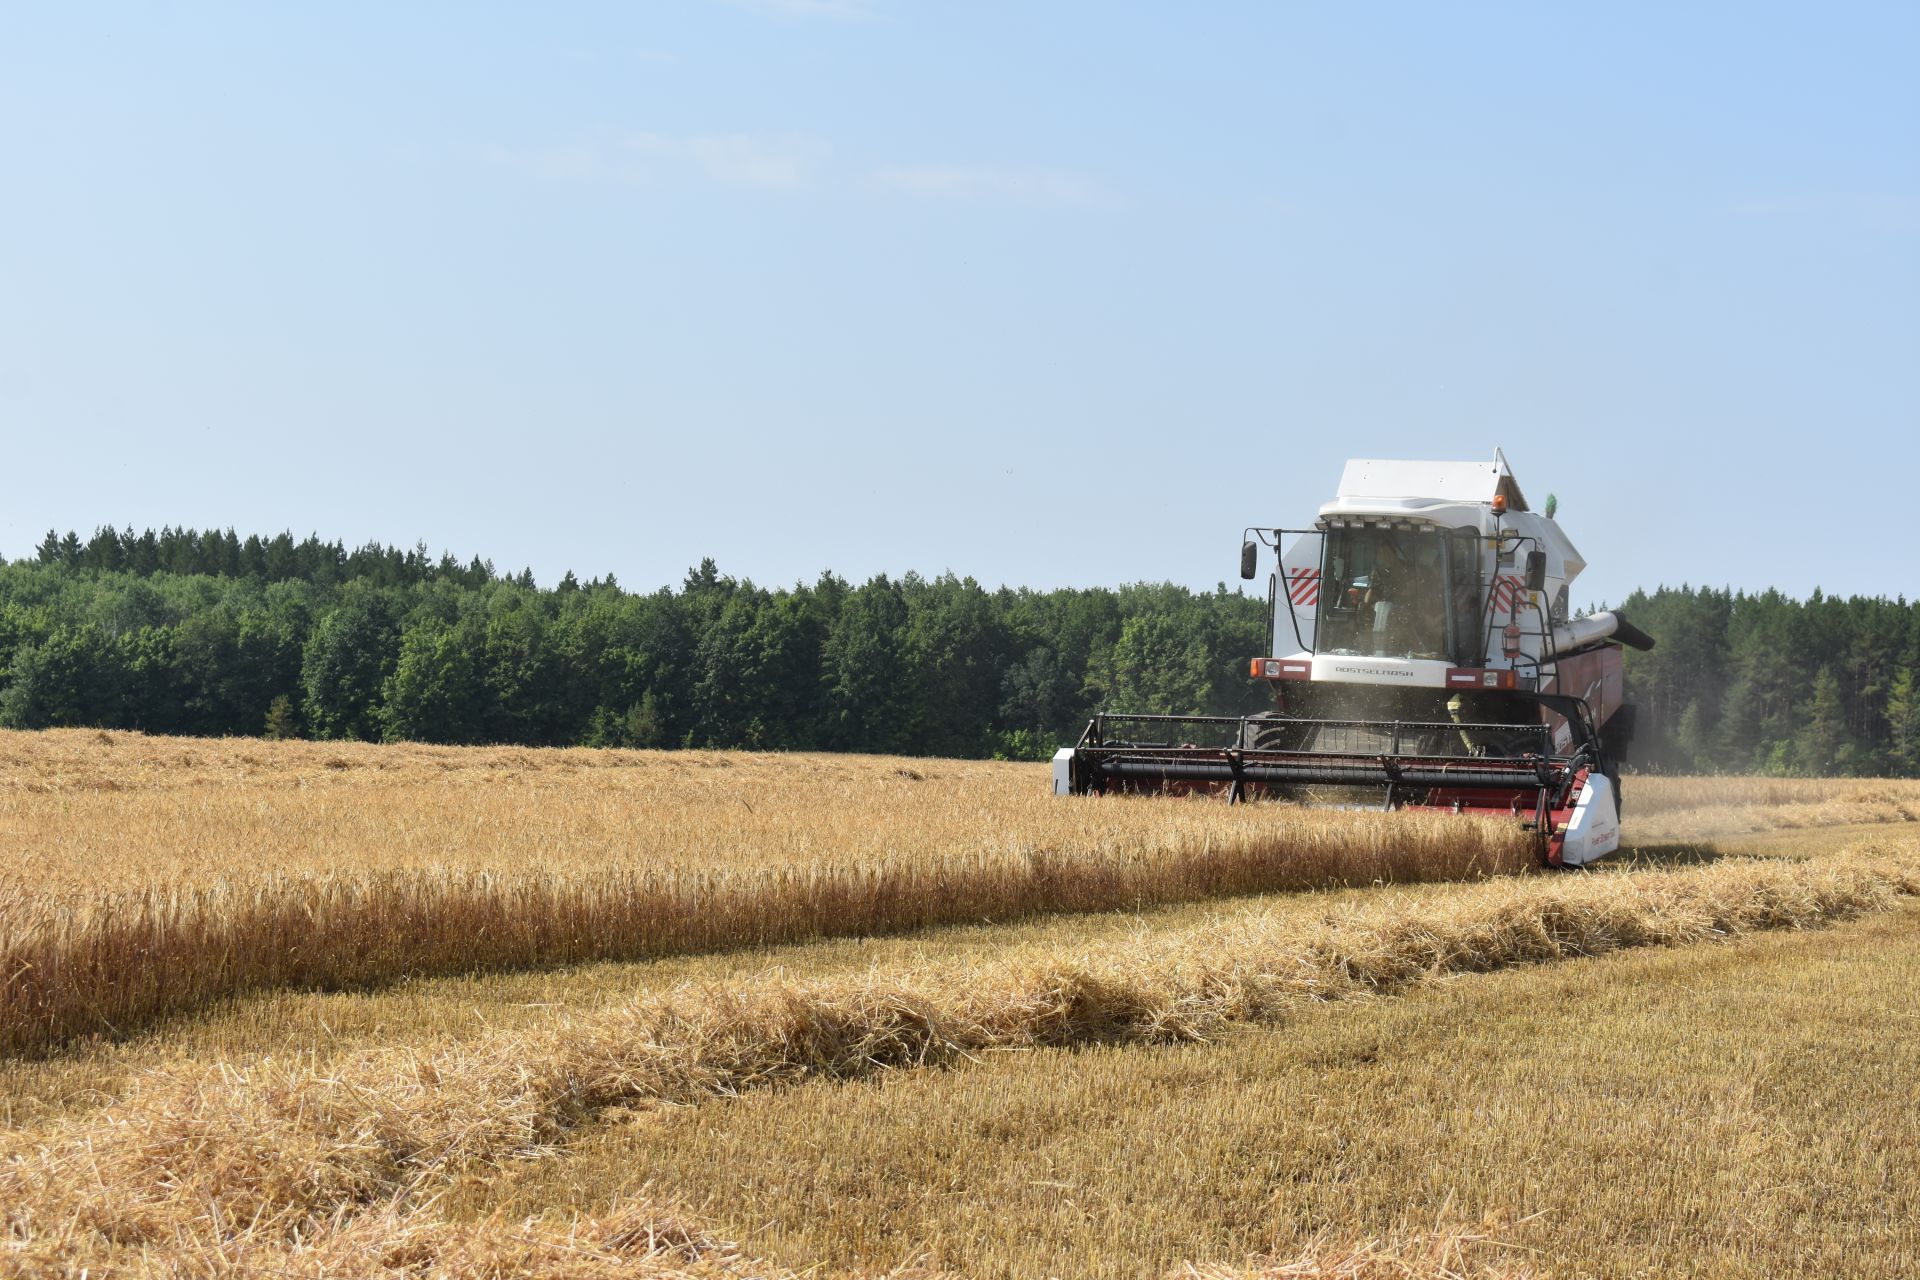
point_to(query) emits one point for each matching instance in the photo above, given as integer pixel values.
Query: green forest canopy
(193, 632)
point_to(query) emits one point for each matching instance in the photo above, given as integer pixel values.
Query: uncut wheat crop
(1691, 808)
(146, 877)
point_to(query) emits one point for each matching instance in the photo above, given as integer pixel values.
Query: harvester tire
(1269, 731)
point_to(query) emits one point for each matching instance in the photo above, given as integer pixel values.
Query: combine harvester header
(1421, 656)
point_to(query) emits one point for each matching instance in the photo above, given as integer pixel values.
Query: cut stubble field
(927, 1019)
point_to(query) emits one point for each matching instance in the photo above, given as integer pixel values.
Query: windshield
(1388, 593)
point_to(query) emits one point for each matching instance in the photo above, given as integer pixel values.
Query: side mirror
(1249, 559)
(1536, 570)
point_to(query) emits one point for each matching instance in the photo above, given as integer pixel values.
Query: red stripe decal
(1508, 591)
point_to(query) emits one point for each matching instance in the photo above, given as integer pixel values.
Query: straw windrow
(210, 1162)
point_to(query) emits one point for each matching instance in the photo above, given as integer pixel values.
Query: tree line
(1763, 683)
(203, 632)
(206, 633)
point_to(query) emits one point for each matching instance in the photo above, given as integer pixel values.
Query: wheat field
(1668, 808)
(150, 877)
(768, 1016)
(308, 1163)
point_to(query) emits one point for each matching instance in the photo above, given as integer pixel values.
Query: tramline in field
(1421, 656)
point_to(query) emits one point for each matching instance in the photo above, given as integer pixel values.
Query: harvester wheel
(1503, 746)
(1269, 731)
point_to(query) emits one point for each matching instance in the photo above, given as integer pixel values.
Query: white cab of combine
(1478, 561)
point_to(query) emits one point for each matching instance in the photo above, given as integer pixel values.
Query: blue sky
(1048, 294)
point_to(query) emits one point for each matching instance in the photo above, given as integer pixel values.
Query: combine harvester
(1422, 658)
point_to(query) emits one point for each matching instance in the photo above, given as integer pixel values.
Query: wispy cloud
(617, 56)
(773, 162)
(786, 162)
(1874, 211)
(737, 159)
(842, 9)
(1003, 186)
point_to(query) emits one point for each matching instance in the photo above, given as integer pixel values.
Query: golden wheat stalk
(195, 1159)
(143, 878)
(107, 961)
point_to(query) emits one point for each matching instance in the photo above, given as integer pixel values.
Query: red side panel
(1596, 677)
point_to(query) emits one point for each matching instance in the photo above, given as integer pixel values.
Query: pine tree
(282, 722)
(143, 554)
(1903, 723)
(1694, 740)
(1818, 747)
(103, 550)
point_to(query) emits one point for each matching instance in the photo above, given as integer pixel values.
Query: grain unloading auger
(1422, 657)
